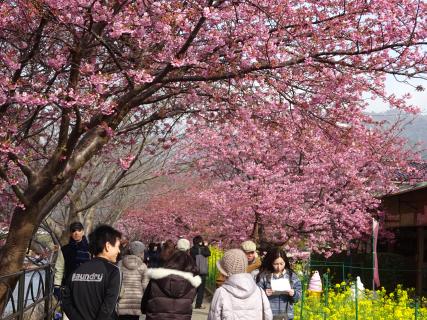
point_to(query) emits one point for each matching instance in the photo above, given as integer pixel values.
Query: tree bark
(89, 219)
(258, 230)
(24, 224)
(12, 254)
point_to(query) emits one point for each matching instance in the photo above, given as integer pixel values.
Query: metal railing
(31, 295)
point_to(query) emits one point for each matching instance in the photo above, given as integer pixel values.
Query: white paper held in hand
(281, 284)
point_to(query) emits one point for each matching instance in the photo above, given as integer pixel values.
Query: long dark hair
(181, 261)
(197, 239)
(267, 263)
(168, 249)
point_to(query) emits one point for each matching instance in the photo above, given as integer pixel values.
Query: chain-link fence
(340, 300)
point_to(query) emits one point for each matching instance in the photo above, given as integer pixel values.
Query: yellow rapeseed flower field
(340, 303)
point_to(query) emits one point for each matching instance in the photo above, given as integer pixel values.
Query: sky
(419, 98)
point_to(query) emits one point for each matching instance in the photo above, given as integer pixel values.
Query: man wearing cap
(75, 253)
(254, 262)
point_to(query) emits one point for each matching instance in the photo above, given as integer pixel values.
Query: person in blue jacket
(276, 268)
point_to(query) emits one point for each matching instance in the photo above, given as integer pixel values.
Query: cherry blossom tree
(291, 178)
(77, 75)
(107, 186)
(173, 209)
(277, 177)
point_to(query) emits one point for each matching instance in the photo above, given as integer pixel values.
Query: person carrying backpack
(200, 253)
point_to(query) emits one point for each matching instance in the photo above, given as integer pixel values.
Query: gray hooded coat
(240, 298)
(134, 282)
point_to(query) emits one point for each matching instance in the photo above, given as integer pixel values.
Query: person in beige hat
(254, 262)
(239, 297)
(183, 245)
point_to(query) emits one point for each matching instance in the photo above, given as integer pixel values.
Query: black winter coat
(92, 291)
(169, 294)
(75, 254)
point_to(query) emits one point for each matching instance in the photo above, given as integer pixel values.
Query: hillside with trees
(413, 127)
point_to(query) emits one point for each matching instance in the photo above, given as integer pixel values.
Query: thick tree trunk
(71, 217)
(89, 220)
(12, 254)
(24, 224)
(258, 230)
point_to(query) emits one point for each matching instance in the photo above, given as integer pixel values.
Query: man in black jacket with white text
(92, 290)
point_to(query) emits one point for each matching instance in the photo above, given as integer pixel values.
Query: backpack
(202, 263)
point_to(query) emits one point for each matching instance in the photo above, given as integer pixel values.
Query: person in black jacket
(171, 290)
(200, 253)
(75, 253)
(152, 255)
(71, 256)
(92, 290)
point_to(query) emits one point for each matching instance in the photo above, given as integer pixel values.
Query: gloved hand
(57, 292)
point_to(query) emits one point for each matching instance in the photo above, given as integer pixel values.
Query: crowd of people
(107, 277)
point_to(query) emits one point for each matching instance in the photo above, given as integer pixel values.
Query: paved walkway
(201, 314)
(198, 314)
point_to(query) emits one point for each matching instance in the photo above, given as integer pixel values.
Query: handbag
(283, 316)
(202, 263)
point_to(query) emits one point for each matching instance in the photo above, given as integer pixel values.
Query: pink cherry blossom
(274, 91)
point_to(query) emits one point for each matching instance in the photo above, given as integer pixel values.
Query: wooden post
(420, 259)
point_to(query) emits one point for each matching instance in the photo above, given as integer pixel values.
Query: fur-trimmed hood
(170, 294)
(161, 273)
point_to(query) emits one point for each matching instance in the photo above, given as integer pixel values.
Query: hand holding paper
(281, 285)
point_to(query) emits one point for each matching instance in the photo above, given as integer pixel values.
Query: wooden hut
(406, 212)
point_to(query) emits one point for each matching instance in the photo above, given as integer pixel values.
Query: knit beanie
(234, 261)
(248, 246)
(136, 248)
(183, 245)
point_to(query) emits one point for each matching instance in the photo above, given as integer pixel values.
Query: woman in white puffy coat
(239, 297)
(134, 282)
